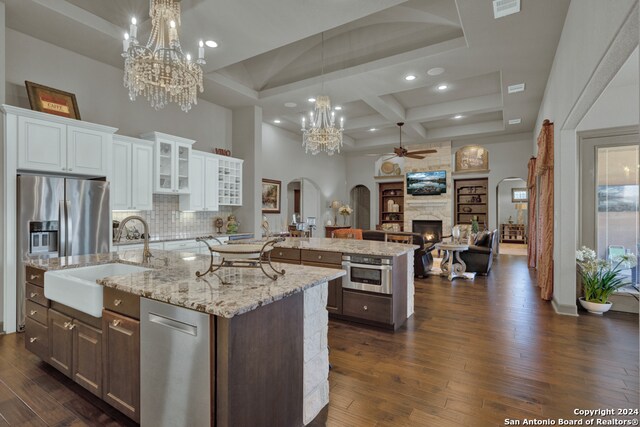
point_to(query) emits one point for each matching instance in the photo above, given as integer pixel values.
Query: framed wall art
(271, 195)
(472, 158)
(53, 101)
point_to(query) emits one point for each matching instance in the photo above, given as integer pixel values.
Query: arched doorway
(304, 201)
(512, 204)
(361, 203)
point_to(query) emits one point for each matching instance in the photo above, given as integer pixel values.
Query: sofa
(422, 257)
(479, 257)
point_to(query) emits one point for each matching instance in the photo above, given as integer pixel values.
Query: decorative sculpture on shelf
(232, 224)
(218, 222)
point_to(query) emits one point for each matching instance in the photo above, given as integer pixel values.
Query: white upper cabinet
(49, 143)
(204, 183)
(132, 174)
(171, 165)
(87, 151)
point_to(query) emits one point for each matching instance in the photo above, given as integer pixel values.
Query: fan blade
(423, 152)
(413, 156)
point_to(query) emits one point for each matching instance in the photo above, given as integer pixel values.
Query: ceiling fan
(403, 152)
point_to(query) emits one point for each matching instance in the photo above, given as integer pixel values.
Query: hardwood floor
(474, 354)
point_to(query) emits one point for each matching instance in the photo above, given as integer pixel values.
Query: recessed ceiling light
(443, 87)
(458, 117)
(373, 130)
(435, 71)
(290, 104)
(276, 121)
(410, 77)
(515, 88)
(515, 121)
(311, 100)
(337, 107)
(211, 43)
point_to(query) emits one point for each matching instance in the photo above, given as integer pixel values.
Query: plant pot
(594, 307)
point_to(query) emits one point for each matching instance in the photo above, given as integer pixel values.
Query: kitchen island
(378, 288)
(260, 354)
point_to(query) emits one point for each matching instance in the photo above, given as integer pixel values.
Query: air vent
(505, 7)
(516, 88)
(515, 121)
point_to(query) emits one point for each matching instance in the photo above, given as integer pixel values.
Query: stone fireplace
(430, 229)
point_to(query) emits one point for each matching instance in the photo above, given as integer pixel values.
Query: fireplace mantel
(427, 202)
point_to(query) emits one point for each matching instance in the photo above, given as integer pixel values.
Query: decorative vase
(344, 219)
(594, 307)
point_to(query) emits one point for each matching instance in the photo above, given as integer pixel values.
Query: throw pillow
(483, 239)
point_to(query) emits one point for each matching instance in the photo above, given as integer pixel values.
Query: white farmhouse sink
(77, 287)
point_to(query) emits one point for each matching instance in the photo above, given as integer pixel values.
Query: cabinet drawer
(322, 257)
(37, 312)
(36, 294)
(285, 254)
(368, 307)
(36, 339)
(35, 276)
(122, 302)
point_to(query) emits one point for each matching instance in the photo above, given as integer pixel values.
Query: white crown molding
(23, 112)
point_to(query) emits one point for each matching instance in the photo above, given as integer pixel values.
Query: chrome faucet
(146, 253)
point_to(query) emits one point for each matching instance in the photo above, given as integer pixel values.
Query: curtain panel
(532, 256)
(544, 228)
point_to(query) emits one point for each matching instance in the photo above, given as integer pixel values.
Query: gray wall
(284, 159)
(597, 38)
(101, 96)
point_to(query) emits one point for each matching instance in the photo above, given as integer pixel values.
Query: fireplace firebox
(430, 229)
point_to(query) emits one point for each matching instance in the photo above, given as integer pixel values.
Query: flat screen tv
(431, 183)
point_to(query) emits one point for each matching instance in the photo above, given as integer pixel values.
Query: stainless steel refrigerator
(59, 217)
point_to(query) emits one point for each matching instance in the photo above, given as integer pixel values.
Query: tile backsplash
(166, 220)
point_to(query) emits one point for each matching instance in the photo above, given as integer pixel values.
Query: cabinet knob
(319, 256)
(33, 312)
(70, 169)
(365, 308)
(116, 322)
(135, 207)
(117, 302)
(33, 294)
(64, 169)
(34, 276)
(279, 253)
(32, 340)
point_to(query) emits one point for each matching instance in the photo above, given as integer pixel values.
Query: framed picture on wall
(472, 158)
(271, 195)
(53, 101)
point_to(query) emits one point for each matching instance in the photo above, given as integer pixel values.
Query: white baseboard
(565, 309)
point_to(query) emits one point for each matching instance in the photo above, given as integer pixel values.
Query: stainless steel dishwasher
(175, 373)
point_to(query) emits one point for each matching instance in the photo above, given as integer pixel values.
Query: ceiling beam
(81, 16)
(389, 107)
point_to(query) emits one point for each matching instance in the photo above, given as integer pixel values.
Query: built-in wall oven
(368, 273)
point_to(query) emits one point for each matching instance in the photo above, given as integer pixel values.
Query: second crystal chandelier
(322, 134)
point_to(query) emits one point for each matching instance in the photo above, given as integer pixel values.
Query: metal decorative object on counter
(241, 256)
(218, 222)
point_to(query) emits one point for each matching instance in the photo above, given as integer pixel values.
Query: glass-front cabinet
(171, 166)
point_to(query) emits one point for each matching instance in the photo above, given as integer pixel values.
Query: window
(519, 195)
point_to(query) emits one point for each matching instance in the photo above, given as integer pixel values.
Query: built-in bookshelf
(513, 233)
(391, 193)
(471, 201)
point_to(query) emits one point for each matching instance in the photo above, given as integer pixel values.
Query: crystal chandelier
(322, 134)
(160, 71)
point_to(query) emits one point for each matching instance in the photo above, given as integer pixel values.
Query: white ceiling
(270, 53)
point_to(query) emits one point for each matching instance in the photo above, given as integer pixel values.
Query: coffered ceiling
(271, 53)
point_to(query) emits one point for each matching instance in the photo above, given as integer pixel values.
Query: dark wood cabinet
(375, 308)
(36, 338)
(87, 357)
(389, 194)
(121, 363)
(61, 342)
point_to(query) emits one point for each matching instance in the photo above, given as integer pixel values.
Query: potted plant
(345, 211)
(600, 278)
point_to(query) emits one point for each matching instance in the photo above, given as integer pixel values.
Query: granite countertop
(348, 246)
(172, 279)
(178, 236)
